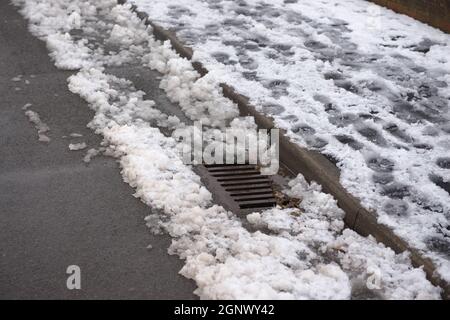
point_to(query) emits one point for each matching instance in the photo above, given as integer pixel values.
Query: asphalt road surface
(57, 211)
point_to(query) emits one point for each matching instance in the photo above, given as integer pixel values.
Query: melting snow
(91, 153)
(75, 135)
(40, 126)
(306, 254)
(77, 146)
(26, 106)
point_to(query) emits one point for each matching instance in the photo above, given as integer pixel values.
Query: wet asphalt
(57, 211)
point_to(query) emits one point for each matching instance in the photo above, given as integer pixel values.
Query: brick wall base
(436, 13)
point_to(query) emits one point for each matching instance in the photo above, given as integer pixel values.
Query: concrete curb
(313, 166)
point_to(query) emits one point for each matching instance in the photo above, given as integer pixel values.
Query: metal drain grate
(239, 187)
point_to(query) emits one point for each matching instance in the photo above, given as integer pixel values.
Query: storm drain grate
(240, 186)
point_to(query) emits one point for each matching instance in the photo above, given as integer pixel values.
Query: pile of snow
(371, 267)
(304, 256)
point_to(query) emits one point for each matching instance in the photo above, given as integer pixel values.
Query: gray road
(57, 211)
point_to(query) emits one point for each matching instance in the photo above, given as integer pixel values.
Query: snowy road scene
(99, 170)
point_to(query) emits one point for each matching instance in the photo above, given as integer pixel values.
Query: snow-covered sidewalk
(306, 255)
(365, 86)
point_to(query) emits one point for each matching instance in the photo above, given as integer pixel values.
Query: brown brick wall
(433, 12)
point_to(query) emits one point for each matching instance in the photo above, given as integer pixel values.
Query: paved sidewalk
(55, 210)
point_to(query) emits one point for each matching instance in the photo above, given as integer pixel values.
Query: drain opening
(241, 186)
(251, 193)
(242, 178)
